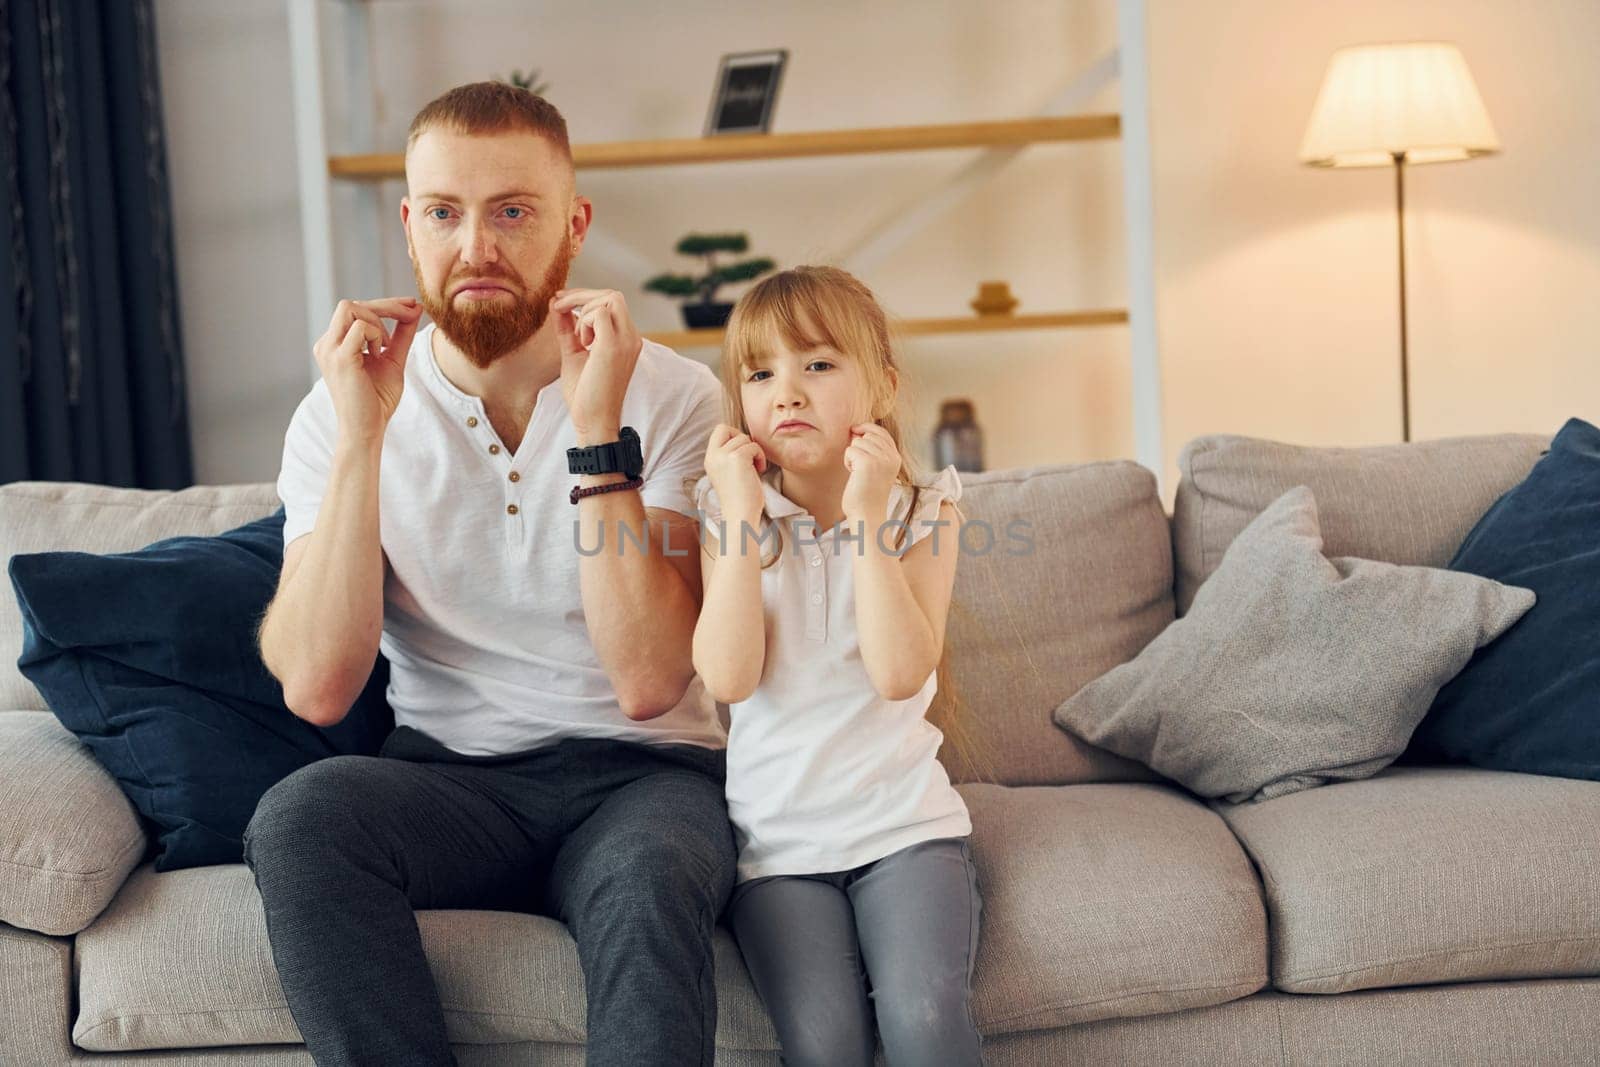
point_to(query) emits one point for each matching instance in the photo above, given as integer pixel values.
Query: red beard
(486, 330)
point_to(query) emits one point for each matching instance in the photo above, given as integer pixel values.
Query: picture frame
(746, 92)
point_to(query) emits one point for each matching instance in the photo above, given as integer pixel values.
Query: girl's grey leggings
(892, 940)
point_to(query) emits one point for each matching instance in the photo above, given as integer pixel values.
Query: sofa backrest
(1028, 628)
(1082, 569)
(1403, 503)
(1032, 621)
(78, 517)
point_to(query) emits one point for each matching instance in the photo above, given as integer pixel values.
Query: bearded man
(553, 751)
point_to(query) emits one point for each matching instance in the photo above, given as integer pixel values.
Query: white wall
(236, 218)
(1276, 289)
(1277, 283)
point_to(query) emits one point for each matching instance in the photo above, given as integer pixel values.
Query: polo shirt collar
(778, 505)
(432, 372)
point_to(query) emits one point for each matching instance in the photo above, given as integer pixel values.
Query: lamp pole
(1405, 372)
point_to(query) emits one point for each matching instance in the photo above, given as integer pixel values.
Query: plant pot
(706, 316)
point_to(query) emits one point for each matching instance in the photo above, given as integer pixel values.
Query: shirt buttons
(816, 561)
(472, 420)
(511, 509)
(494, 450)
(514, 476)
(816, 598)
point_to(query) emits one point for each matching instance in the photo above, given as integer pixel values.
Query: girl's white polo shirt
(483, 621)
(823, 773)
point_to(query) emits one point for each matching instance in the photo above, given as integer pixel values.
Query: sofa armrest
(68, 836)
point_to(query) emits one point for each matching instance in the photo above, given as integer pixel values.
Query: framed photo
(747, 92)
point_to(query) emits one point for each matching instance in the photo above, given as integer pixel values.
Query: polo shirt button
(816, 561)
(816, 598)
(494, 450)
(514, 476)
(511, 509)
(472, 420)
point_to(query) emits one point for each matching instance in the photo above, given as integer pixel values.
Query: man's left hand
(600, 346)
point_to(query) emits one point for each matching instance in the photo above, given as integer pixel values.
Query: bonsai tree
(529, 81)
(716, 276)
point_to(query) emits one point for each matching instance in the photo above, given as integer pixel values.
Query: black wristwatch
(621, 456)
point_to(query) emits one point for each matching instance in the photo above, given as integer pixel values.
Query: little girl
(827, 577)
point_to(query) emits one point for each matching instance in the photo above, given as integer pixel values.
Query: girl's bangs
(788, 313)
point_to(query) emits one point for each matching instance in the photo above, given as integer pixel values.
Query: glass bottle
(957, 439)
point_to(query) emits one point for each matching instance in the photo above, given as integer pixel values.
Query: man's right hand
(364, 364)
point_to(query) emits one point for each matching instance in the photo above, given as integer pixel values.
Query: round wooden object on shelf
(994, 298)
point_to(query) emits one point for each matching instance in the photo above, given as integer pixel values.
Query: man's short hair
(493, 107)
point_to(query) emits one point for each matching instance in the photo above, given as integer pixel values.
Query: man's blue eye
(431, 211)
(514, 209)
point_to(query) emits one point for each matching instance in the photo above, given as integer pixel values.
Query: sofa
(1428, 914)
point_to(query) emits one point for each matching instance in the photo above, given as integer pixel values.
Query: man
(553, 750)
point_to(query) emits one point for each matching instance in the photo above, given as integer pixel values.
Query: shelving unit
(618, 154)
(319, 169)
(927, 327)
(744, 147)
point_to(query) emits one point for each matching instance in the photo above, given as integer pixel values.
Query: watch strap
(622, 456)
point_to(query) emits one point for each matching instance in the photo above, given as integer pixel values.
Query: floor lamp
(1386, 104)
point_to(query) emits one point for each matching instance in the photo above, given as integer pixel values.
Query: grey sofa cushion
(182, 959)
(1087, 889)
(77, 517)
(68, 836)
(1105, 901)
(1031, 623)
(1291, 669)
(1428, 874)
(1403, 503)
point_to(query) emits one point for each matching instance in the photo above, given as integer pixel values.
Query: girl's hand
(873, 461)
(735, 463)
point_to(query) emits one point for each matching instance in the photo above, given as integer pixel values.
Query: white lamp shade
(1415, 98)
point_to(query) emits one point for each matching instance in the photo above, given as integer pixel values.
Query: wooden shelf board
(925, 327)
(736, 147)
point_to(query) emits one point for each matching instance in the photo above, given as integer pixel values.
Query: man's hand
(599, 349)
(365, 365)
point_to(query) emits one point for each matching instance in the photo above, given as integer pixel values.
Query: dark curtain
(91, 361)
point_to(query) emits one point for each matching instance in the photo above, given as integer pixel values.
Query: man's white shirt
(483, 621)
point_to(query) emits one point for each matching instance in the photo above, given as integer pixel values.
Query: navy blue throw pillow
(1531, 700)
(150, 658)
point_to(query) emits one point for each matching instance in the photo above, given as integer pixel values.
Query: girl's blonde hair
(817, 305)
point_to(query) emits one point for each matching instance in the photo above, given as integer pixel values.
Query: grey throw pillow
(1290, 669)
